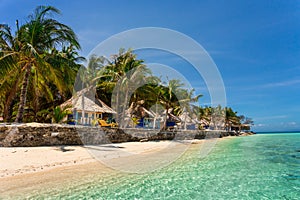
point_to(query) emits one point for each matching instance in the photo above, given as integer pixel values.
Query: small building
(241, 127)
(86, 111)
(187, 123)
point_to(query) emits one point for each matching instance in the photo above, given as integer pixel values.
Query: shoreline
(18, 161)
(15, 161)
(24, 173)
(37, 168)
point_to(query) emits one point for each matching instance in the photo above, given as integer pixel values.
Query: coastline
(18, 161)
(27, 164)
(32, 168)
(36, 168)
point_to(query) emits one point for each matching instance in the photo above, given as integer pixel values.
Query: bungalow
(84, 110)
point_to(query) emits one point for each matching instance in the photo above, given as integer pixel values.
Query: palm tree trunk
(8, 106)
(124, 109)
(23, 95)
(118, 109)
(9, 102)
(7, 110)
(166, 119)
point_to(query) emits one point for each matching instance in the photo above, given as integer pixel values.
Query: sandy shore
(26, 169)
(25, 160)
(16, 161)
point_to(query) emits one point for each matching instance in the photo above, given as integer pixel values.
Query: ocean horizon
(276, 132)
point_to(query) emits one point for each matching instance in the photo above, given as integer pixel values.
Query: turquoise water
(263, 166)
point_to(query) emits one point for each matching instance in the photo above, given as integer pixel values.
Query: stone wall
(35, 134)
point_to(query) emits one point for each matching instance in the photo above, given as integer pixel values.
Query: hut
(84, 110)
(187, 123)
(144, 118)
(204, 124)
(171, 120)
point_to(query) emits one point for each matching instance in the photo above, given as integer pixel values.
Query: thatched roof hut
(80, 102)
(84, 109)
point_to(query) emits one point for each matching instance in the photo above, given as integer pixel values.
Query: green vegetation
(38, 64)
(38, 67)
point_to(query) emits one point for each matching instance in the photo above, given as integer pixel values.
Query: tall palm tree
(167, 96)
(186, 98)
(9, 82)
(203, 115)
(32, 52)
(119, 75)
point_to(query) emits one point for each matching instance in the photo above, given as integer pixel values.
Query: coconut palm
(231, 118)
(119, 77)
(167, 96)
(31, 54)
(9, 81)
(186, 98)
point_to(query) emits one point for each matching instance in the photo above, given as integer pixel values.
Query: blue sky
(255, 44)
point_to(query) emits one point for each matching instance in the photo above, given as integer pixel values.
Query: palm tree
(186, 98)
(9, 80)
(167, 96)
(119, 76)
(231, 118)
(31, 53)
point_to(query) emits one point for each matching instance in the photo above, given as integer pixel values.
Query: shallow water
(263, 166)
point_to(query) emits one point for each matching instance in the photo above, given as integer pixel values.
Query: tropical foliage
(39, 62)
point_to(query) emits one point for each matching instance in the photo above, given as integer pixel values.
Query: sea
(261, 166)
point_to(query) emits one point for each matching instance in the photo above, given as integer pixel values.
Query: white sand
(24, 170)
(23, 160)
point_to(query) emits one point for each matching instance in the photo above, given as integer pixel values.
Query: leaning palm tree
(186, 98)
(167, 96)
(31, 52)
(118, 77)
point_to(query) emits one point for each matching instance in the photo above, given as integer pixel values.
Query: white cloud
(292, 123)
(271, 117)
(283, 83)
(260, 125)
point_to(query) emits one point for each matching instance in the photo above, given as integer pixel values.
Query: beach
(235, 167)
(27, 160)
(25, 169)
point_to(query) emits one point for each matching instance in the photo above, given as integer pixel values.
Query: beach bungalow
(187, 123)
(204, 124)
(240, 127)
(150, 119)
(86, 111)
(172, 120)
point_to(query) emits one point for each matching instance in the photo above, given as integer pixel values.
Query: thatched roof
(77, 102)
(204, 122)
(106, 108)
(149, 112)
(185, 117)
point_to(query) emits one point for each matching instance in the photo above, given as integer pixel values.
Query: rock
(54, 134)
(35, 134)
(12, 137)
